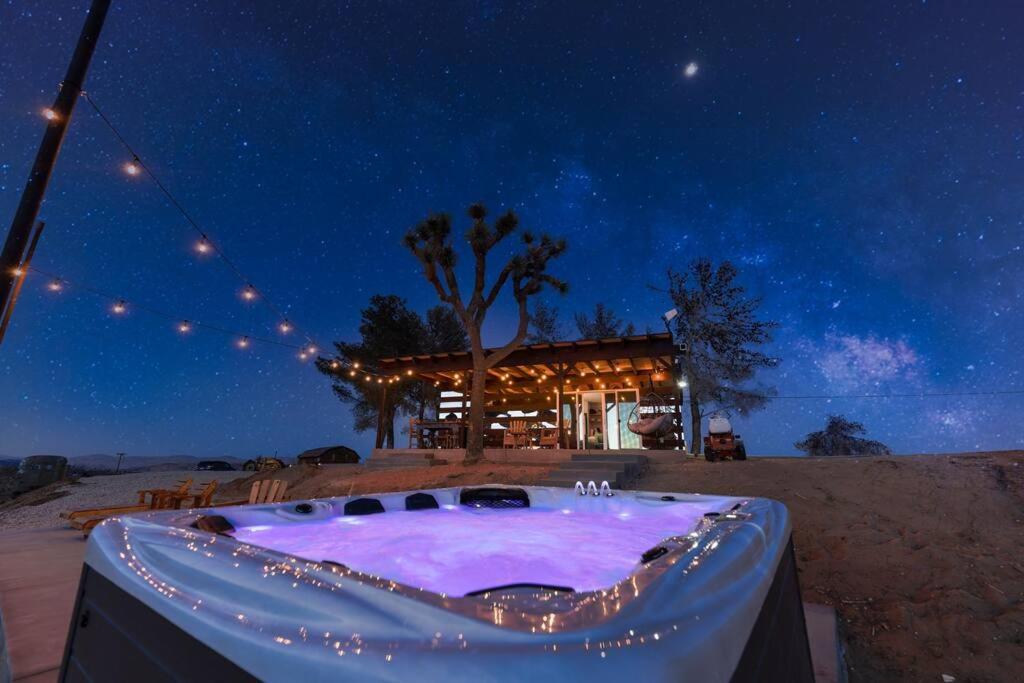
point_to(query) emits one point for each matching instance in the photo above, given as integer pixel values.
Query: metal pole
(46, 157)
(120, 456)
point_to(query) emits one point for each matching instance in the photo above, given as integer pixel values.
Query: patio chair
(515, 436)
(549, 438)
(198, 500)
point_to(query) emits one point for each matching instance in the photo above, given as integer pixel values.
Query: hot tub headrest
(364, 506)
(493, 497)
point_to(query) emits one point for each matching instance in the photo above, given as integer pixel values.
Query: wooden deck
(39, 571)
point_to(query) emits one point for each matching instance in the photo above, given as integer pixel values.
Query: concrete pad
(39, 571)
(823, 634)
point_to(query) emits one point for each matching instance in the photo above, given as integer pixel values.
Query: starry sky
(861, 163)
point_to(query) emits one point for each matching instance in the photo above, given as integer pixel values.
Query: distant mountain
(8, 462)
(103, 461)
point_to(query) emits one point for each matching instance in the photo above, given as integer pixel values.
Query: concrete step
(610, 457)
(615, 478)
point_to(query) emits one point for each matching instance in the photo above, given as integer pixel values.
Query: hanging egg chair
(651, 416)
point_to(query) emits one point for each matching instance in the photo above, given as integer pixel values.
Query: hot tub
(476, 583)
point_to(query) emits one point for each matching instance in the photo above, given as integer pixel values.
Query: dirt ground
(920, 555)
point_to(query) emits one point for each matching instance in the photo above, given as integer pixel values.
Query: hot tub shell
(161, 599)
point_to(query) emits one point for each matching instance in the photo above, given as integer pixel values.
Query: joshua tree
(840, 438)
(718, 325)
(430, 242)
(604, 324)
(544, 324)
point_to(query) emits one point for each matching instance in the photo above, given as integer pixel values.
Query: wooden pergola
(536, 377)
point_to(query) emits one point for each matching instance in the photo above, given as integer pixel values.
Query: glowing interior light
(119, 307)
(681, 383)
(55, 285)
(50, 115)
(285, 327)
(132, 168)
(249, 293)
(243, 343)
(184, 327)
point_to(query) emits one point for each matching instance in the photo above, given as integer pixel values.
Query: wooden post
(46, 158)
(560, 402)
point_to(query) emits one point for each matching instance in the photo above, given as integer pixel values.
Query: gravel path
(93, 492)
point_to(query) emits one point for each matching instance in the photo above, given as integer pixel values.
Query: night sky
(861, 162)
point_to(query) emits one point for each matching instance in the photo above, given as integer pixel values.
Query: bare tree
(430, 242)
(718, 325)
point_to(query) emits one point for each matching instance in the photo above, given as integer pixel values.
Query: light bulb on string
(17, 271)
(303, 355)
(49, 114)
(119, 307)
(55, 285)
(184, 327)
(356, 365)
(243, 343)
(204, 247)
(132, 168)
(311, 350)
(249, 293)
(366, 378)
(285, 327)
(351, 373)
(334, 365)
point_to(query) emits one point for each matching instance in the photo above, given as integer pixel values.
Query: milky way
(861, 163)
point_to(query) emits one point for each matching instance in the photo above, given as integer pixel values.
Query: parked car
(215, 465)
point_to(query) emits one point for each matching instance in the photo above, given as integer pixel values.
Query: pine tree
(602, 325)
(545, 326)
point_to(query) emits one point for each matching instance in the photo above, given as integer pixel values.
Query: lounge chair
(159, 499)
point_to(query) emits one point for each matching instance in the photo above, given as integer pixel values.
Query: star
(690, 70)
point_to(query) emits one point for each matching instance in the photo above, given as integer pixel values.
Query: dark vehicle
(39, 470)
(215, 465)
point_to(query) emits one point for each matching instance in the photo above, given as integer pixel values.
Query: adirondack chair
(180, 489)
(515, 435)
(196, 500)
(159, 499)
(264, 491)
(549, 438)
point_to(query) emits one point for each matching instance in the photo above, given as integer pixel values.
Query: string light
(243, 343)
(303, 355)
(55, 285)
(17, 271)
(50, 115)
(132, 167)
(184, 327)
(285, 327)
(311, 350)
(119, 307)
(249, 293)
(203, 246)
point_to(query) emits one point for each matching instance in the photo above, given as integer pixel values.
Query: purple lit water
(458, 550)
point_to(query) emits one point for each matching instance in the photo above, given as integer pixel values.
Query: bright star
(691, 70)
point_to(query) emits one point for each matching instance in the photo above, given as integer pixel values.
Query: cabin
(328, 455)
(545, 402)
